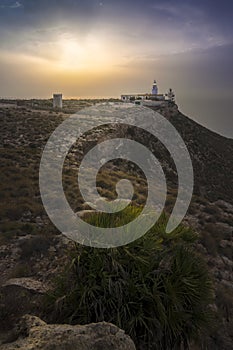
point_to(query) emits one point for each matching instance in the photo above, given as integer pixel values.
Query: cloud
(15, 5)
(179, 10)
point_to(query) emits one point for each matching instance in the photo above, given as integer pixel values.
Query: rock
(18, 297)
(227, 261)
(34, 334)
(225, 205)
(28, 284)
(39, 221)
(26, 323)
(225, 244)
(84, 213)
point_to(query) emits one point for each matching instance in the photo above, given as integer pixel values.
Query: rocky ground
(33, 252)
(33, 333)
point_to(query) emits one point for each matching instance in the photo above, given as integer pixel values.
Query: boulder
(29, 284)
(20, 296)
(34, 334)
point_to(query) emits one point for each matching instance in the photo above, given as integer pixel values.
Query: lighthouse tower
(155, 88)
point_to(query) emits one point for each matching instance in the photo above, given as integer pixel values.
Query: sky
(104, 48)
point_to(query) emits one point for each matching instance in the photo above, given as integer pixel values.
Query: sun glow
(89, 54)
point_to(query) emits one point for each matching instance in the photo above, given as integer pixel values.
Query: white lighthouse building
(150, 99)
(155, 89)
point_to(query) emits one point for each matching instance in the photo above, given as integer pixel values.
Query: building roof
(142, 95)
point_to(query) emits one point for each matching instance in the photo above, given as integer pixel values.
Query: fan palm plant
(157, 288)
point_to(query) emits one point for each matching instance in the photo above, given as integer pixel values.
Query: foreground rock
(28, 284)
(34, 334)
(20, 296)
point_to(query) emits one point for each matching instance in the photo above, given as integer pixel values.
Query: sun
(86, 54)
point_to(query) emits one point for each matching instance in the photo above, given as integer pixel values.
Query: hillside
(32, 251)
(211, 156)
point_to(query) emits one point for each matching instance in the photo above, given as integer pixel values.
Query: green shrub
(21, 270)
(157, 288)
(6, 237)
(35, 246)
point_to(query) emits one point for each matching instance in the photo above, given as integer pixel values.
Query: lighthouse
(155, 88)
(148, 99)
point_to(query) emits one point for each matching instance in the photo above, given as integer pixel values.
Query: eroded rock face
(20, 296)
(34, 334)
(28, 284)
